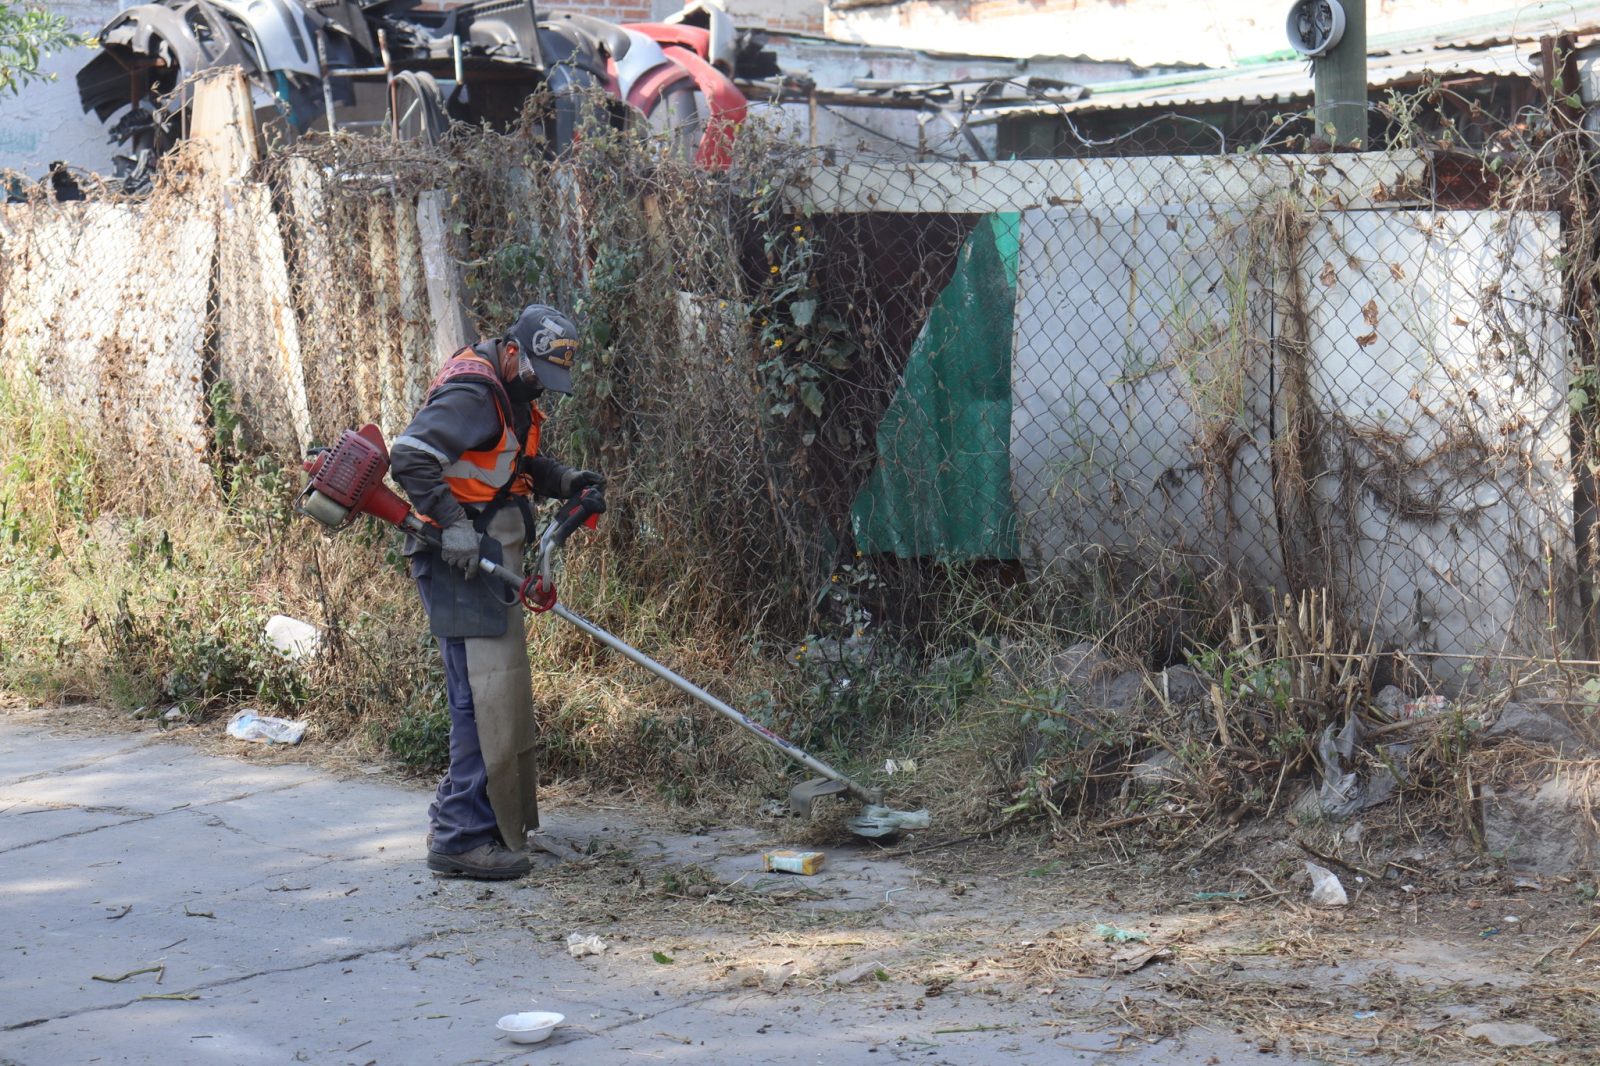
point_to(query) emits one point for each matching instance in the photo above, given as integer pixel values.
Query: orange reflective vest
(478, 477)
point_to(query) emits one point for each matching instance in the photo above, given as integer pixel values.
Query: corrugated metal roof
(1524, 22)
(1286, 82)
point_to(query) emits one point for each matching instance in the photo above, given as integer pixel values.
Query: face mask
(521, 391)
(525, 372)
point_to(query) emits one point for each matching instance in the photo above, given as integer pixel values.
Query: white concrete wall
(798, 16)
(45, 121)
(835, 63)
(874, 133)
(802, 16)
(1434, 345)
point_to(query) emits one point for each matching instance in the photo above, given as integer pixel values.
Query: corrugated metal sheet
(1524, 22)
(1286, 82)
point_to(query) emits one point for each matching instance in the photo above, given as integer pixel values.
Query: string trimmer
(347, 481)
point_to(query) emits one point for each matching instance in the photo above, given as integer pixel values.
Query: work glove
(459, 546)
(575, 481)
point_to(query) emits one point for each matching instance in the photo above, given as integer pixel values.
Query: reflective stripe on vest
(478, 475)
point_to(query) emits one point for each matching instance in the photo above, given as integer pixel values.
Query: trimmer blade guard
(802, 796)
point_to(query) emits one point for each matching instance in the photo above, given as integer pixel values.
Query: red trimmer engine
(347, 480)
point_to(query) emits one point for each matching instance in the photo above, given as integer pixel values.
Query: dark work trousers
(460, 813)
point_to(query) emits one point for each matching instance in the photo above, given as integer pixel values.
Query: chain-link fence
(832, 394)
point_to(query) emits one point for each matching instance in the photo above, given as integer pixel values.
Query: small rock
(851, 974)
(828, 652)
(1182, 686)
(1079, 665)
(172, 715)
(1543, 830)
(1389, 700)
(1156, 772)
(748, 976)
(773, 978)
(1123, 694)
(1508, 1034)
(1534, 724)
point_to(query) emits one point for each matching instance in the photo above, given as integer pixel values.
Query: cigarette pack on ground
(794, 862)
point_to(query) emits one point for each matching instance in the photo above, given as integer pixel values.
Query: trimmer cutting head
(875, 820)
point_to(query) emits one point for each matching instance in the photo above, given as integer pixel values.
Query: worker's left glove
(459, 546)
(575, 481)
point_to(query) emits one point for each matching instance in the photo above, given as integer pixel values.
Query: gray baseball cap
(549, 341)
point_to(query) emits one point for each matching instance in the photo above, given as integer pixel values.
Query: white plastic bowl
(529, 1027)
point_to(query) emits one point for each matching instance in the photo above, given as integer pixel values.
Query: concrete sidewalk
(292, 914)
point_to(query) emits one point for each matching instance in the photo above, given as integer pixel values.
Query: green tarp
(942, 486)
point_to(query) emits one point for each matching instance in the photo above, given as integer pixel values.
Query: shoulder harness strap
(469, 364)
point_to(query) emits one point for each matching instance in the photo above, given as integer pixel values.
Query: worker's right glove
(459, 546)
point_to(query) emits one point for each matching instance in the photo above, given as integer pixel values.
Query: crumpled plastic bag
(1326, 890)
(876, 821)
(248, 725)
(1113, 935)
(1343, 792)
(579, 945)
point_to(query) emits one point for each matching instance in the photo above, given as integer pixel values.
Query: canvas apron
(503, 701)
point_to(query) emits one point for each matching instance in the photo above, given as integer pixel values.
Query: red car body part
(728, 109)
(648, 91)
(692, 38)
(686, 46)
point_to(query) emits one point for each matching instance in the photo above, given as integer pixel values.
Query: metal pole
(1341, 83)
(327, 81)
(388, 76)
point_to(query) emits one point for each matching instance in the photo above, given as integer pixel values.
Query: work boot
(486, 862)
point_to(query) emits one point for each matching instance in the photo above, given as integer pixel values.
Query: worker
(469, 461)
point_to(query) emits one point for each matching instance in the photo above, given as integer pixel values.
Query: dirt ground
(1440, 955)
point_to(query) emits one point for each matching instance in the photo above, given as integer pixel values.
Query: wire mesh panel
(258, 336)
(1263, 373)
(1142, 388)
(106, 307)
(1438, 368)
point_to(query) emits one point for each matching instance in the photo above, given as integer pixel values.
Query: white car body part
(284, 33)
(714, 18)
(644, 55)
